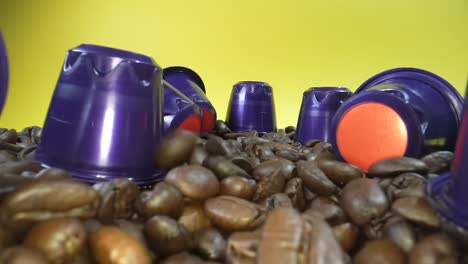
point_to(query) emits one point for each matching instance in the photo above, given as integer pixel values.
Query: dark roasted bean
(164, 199)
(396, 166)
(339, 172)
(438, 162)
(288, 168)
(175, 150)
(238, 186)
(194, 181)
(436, 248)
(416, 209)
(166, 236)
(347, 236)
(269, 185)
(406, 184)
(330, 211)
(210, 244)
(295, 191)
(277, 200)
(314, 178)
(224, 168)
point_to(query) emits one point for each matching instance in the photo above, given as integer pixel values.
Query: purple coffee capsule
(3, 73)
(105, 116)
(448, 193)
(190, 83)
(179, 111)
(319, 105)
(251, 107)
(399, 112)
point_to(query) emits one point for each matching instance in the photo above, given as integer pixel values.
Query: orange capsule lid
(191, 123)
(208, 120)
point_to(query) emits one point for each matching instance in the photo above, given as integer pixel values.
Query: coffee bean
(118, 197)
(242, 247)
(183, 258)
(328, 209)
(22, 255)
(175, 150)
(269, 185)
(416, 209)
(241, 134)
(395, 166)
(277, 200)
(210, 244)
(290, 129)
(41, 200)
(277, 137)
(221, 128)
(238, 186)
(7, 238)
(53, 174)
(375, 228)
(401, 233)
(295, 191)
(436, 248)
(339, 172)
(19, 166)
(49, 238)
(218, 146)
(114, 246)
(380, 251)
(362, 200)
(224, 168)
(347, 235)
(194, 218)
(314, 178)
(194, 181)
(199, 155)
(438, 162)
(164, 199)
(234, 214)
(6, 156)
(406, 184)
(166, 236)
(267, 168)
(30, 136)
(243, 162)
(133, 229)
(9, 136)
(289, 155)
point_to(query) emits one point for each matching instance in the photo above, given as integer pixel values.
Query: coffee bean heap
(228, 197)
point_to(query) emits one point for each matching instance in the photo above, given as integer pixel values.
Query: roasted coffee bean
(380, 251)
(221, 128)
(277, 137)
(263, 152)
(244, 163)
(241, 134)
(53, 174)
(267, 168)
(6, 156)
(277, 200)
(309, 196)
(175, 150)
(269, 185)
(314, 178)
(19, 166)
(224, 168)
(234, 214)
(164, 199)
(218, 146)
(21, 255)
(289, 155)
(375, 228)
(401, 233)
(7, 238)
(28, 153)
(416, 209)
(132, 228)
(290, 129)
(438, 162)
(59, 240)
(395, 166)
(166, 236)
(406, 184)
(194, 218)
(347, 236)
(112, 245)
(210, 244)
(436, 248)
(9, 136)
(183, 258)
(194, 181)
(118, 197)
(328, 209)
(363, 200)
(199, 155)
(295, 191)
(47, 199)
(30, 136)
(238, 186)
(339, 172)
(242, 247)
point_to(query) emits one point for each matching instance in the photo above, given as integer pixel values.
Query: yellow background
(290, 44)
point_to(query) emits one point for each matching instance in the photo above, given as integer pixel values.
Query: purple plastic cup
(399, 112)
(251, 107)
(448, 193)
(105, 117)
(190, 83)
(180, 113)
(319, 105)
(3, 73)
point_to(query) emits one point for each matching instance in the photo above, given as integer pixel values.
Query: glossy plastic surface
(3, 73)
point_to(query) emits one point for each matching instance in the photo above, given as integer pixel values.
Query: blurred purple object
(190, 83)
(448, 193)
(251, 107)
(319, 105)
(105, 117)
(3, 73)
(179, 111)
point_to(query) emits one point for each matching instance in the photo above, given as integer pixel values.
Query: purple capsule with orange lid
(191, 85)
(319, 105)
(251, 107)
(3, 73)
(105, 117)
(399, 112)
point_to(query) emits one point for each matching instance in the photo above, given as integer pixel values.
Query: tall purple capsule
(3, 73)
(319, 105)
(105, 117)
(251, 107)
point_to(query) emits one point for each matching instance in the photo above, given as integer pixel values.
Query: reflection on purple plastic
(3, 73)
(105, 117)
(251, 107)
(319, 105)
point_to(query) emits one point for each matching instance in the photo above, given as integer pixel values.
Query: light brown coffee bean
(436, 248)
(183, 258)
(164, 199)
(347, 235)
(194, 218)
(21, 255)
(416, 209)
(380, 251)
(238, 186)
(401, 233)
(223, 167)
(242, 247)
(287, 168)
(194, 181)
(175, 150)
(210, 244)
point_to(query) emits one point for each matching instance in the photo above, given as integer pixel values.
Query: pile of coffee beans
(228, 197)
